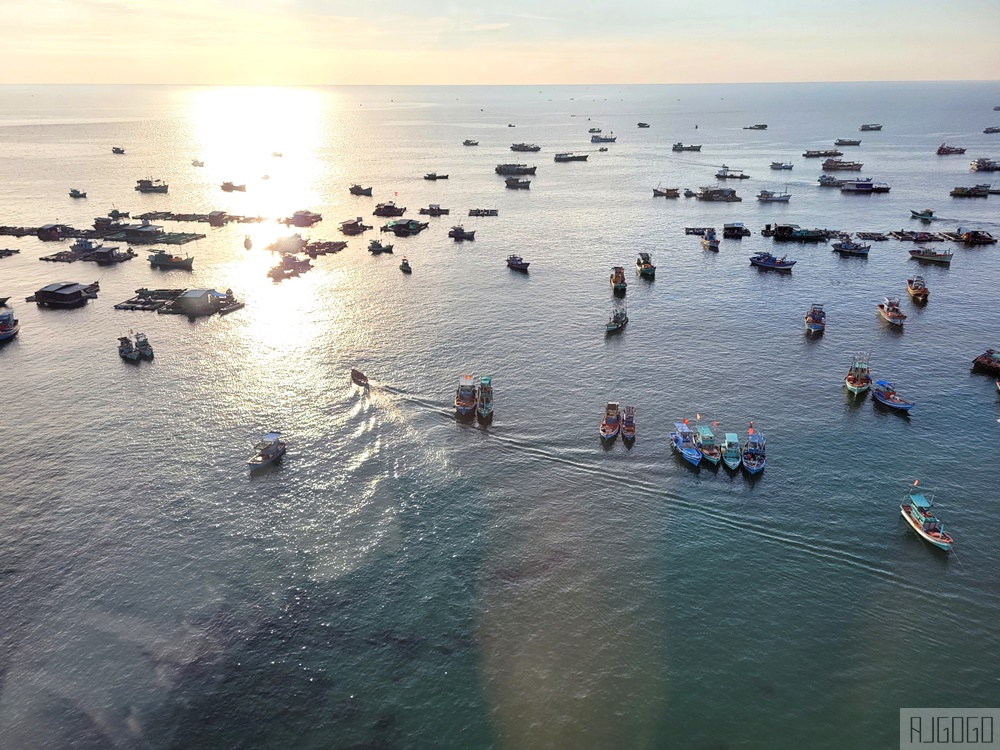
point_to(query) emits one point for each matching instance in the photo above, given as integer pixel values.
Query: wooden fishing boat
(359, 378)
(988, 361)
(662, 192)
(375, 247)
(945, 150)
(628, 424)
(709, 240)
(618, 283)
(484, 400)
(704, 439)
(517, 263)
(617, 320)
(644, 266)
(890, 312)
(858, 378)
(754, 458)
(917, 289)
(465, 397)
(127, 350)
(925, 215)
(267, 451)
(929, 255)
(766, 260)
(885, 393)
(358, 190)
(732, 456)
(683, 441)
(918, 510)
(815, 320)
(611, 422)
(847, 246)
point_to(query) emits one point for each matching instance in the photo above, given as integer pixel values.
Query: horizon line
(508, 85)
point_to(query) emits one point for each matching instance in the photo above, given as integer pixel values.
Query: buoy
(247, 243)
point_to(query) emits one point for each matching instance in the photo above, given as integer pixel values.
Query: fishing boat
(354, 226)
(404, 266)
(815, 320)
(117, 150)
(151, 186)
(127, 350)
(642, 125)
(755, 127)
(992, 129)
(514, 169)
(570, 156)
(834, 165)
(484, 212)
(709, 240)
(769, 196)
(529, 147)
(766, 260)
(628, 424)
(782, 165)
(603, 138)
(617, 321)
(824, 153)
(754, 457)
(359, 378)
(197, 163)
(435, 176)
(517, 263)
(918, 510)
(725, 173)
(732, 456)
(925, 215)
(929, 255)
(889, 310)
(594, 130)
(618, 283)
(870, 127)
(389, 208)
(74, 193)
(662, 192)
(465, 397)
(717, 195)
(984, 165)
(375, 247)
(826, 180)
(704, 439)
(976, 191)
(9, 325)
(434, 209)
(858, 378)
(847, 246)
(681, 147)
(736, 230)
(517, 184)
(683, 442)
(846, 142)
(885, 393)
(484, 402)
(358, 190)
(611, 422)
(163, 259)
(945, 150)
(143, 346)
(459, 233)
(267, 451)
(644, 266)
(470, 142)
(917, 289)
(230, 187)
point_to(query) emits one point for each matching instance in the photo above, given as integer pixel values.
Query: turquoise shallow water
(402, 580)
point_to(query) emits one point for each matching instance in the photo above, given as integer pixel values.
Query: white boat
(769, 196)
(267, 451)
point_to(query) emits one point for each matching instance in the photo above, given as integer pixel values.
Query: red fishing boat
(611, 423)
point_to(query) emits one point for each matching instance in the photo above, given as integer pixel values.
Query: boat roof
(485, 379)
(884, 384)
(732, 437)
(644, 256)
(755, 438)
(919, 500)
(705, 431)
(681, 427)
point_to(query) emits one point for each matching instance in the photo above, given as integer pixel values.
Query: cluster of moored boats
(133, 351)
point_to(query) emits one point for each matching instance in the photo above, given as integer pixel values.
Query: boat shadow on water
(854, 400)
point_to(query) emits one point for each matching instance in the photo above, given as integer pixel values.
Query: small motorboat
(470, 142)
(358, 190)
(766, 260)
(459, 233)
(704, 438)
(229, 187)
(753, 452)
(890, 312)
(465, 397)
(709, 240)
(644, 266)
(484, 401)
(925, 215)
(816, 319)
(127, 350)
(858, 378)
(683, 441)
(732, 455)
(143, 346)
(375, 247)
(885, 393)
(662, 192)
(359, 378)
(618, 283)
(611, 422)
(517, 263)
(918, 511)
(9, 325)
(435, 176)
(617, 321)
(603, 148)
(404, 266)
(917, 289)
(163, 259)
(929, 255)
(74, 193)
(628, 424)
(594, 130)
(197, 163)
(117, 150)
(267, 451)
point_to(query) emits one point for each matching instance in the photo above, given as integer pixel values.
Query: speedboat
(816, 319)
(885, 393)
(611, 423)
(918, 511)
(732, 456)
(766, 260)
(359, 378)
(709, 241)
(465, 397)
(889, 310)
(753, 452)
(628, 424)
(9, 325)
(484, 401)
(683, 442)
(267, 451)
(127, 350)
(143, 346)
(917, 289)
(705, 440)
(858, 378)
(404, 266)
(617, 321)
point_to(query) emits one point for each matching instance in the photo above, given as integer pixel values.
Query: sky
(336, 42)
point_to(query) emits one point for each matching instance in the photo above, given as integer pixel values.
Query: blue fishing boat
(732, 456)
(753, 452)
(628, 424)
(683, 441)
(816, 319)
(484, 403)
(847, 246)
(709, 240)
(918, 510)
(885, 393)
(465, 397)
(766, 260)
(9, 325)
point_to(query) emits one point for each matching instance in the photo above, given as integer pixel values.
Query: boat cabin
(217, 218)
(52, 232)
(923, 512)
(144, 233)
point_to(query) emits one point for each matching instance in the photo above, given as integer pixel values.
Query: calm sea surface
(402, 580)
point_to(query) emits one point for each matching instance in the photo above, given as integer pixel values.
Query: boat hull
(484, 416)
(815, 327)
(257, 463)
(752, 467)
(608, 435)
(942, 544)
(896, 320)
(8, 335)
(731, 464)
(857, 388)
(895, 405)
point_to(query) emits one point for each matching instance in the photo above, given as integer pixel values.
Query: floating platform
(150, 300)
(873, 236)
(312, 249)
(908, 236)
(216, 218)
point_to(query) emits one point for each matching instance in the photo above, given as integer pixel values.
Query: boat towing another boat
(270, 448)
(890, 312)
(918, 511)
